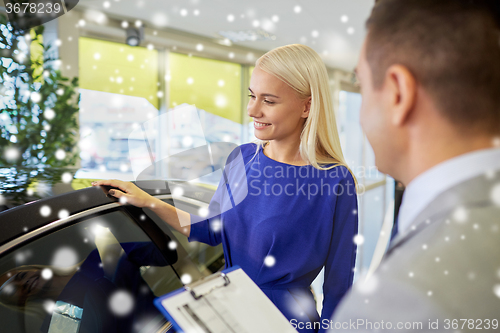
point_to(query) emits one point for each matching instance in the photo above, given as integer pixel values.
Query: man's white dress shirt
(427, 186)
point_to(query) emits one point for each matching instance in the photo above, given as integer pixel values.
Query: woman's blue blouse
(282, 224)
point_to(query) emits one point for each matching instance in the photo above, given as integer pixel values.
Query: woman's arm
(340, 263)
(131, 194)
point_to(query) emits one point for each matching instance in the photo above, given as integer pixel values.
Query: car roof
(20, 220)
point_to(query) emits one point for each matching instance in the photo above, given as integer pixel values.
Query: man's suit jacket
(446, 266)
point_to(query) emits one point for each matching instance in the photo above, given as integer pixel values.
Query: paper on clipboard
(223, 303)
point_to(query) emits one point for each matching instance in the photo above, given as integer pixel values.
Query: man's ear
(402, 93)
(307, 108)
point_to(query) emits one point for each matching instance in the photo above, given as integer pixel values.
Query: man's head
(429, 55)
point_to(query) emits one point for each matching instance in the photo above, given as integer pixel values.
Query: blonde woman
(299, 212)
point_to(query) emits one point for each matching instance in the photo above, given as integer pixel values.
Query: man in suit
(430, 79)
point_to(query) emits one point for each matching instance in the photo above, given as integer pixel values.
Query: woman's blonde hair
(301, 68)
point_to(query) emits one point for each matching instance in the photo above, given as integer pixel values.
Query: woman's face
(21, 284)
(275, 107)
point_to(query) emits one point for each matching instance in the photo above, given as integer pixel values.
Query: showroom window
(119, 91)
(377, 189)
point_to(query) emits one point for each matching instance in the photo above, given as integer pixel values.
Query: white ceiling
(336, 45)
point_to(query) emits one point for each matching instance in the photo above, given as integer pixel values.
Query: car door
(97, 273)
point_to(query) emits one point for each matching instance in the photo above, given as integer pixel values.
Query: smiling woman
(286, 229)
(295, 82)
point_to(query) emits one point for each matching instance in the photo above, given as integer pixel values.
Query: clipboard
(224, 302)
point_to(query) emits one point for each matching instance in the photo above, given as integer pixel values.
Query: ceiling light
(134, 36)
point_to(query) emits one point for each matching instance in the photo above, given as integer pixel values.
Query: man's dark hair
(452, 47)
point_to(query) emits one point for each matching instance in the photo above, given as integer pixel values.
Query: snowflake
(12, 154)
(186, 278)
(60, 154)
(49, 306)
(63, 213)
(47, 274)
(64, 257)
(121, 303)
(36, 97)
(269, 261)
(9, 289)
(203, 212)
(496, 290)
(359, 239)
(460, 214)
(160, 20)
(45, 211)
(216, 225)
(67, 177)
(368, 286)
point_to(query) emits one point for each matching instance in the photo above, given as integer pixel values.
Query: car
(82, 262)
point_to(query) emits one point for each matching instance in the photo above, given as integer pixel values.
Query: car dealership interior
(102, 98)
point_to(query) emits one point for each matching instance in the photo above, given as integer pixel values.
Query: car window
(98, 275)
(208, 259)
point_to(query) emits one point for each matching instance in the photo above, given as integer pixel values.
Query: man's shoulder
(450, 265)
(446, 269)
